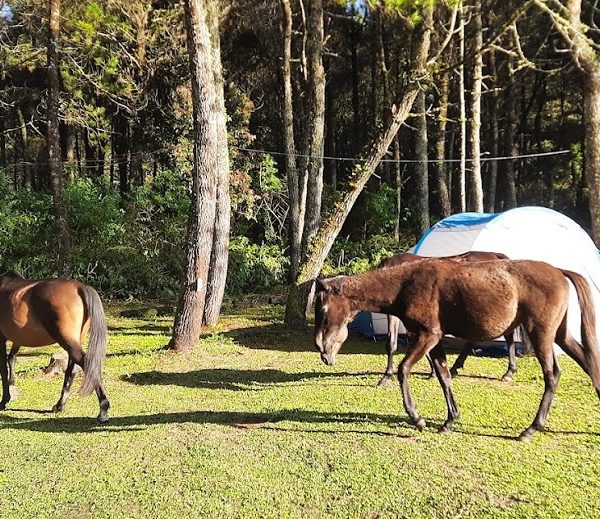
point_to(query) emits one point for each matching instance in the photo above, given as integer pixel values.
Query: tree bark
(476, 186)
(217, 276)
(512, 147)
(190, 310)
(296, 221)
(53, 139)
(399, 184)
(462, 199)
(316, 126)
(422, 169)
(440, 148)
(298, 302)
(490, 199)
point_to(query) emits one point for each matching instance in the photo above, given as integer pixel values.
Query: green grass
(252, 424)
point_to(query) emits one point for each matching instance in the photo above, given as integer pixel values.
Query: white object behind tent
(535, 233)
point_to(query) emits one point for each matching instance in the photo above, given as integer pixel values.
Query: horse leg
(425, 342)
(12, 360)
(438, 356)
(431, 367)
(390, 347)
(551, 371)
(64, 394)
(512, 357)
(459, 363)
(77, 356)
(4, 373)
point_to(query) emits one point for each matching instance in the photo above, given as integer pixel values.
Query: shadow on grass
(234, 419)
(146, 329)
(229, 379)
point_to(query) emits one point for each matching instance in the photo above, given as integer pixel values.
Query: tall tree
(296, 182)
(567, 20)
(217, 275)
(316, 123)
(422, 165)
(475, 184)
(207, 122)
(53, 138)
(440, 148)
(462, 176)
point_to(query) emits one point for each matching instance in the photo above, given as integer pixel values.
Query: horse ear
(322, 285)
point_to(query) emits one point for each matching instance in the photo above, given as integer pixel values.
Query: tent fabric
(535, 233)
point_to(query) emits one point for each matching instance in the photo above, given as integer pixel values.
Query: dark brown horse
(43, 312)
(474, 301)
(394, 323)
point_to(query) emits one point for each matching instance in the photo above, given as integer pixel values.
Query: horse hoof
(420, 424)
(507, 377)
(56, 408)
(14, 392)
(102, 417)
(3, 406)
(454, 373)
(444, 429)
(525, 437)
(384, 382)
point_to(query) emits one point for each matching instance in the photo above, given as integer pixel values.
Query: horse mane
(11, 274)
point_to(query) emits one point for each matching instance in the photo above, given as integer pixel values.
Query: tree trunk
(296, 221)
(422, 169)
(330, 128)
(316, 126)
(53, 138)
(510, 199)
(220, 252)
(490, 199)
(23, 134)
(591, 114)
(298, 301)
(190, 310)
(399, 183)
(440, 148)
(476, 186)
(462, 200)
(120, 144)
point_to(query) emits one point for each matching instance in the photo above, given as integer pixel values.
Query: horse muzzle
(328, 358)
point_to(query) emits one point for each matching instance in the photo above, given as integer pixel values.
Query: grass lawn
(252, 424)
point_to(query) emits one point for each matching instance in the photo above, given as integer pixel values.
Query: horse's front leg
(4, 373)
(438, 356)
(390, 347)
(425, 341)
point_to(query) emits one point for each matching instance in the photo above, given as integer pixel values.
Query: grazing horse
(474, 301)
(394, 323)
(43, 312)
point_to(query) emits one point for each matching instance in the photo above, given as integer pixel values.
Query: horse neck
(375, 291)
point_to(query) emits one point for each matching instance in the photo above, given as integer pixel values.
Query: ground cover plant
(251, 424)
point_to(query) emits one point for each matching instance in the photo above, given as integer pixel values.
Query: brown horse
(474, 301)
(394, 323)
(43, 312)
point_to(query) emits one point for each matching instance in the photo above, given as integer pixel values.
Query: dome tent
(535, 233)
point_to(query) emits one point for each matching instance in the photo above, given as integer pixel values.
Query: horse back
(41, 312)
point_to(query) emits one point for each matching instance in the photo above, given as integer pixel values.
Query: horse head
(333, 313)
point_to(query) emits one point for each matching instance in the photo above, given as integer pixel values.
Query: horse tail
(92, 369)
(589, 339)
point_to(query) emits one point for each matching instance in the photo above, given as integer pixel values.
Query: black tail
(92, 370)
(589, 339)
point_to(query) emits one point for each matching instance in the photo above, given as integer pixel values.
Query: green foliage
(254, 267)
(348, 257)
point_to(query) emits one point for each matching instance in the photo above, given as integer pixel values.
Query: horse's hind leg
(66, 389)
(459, 363)
(438, 356)
(77, 356)
(12, 360)
(512, 357)
(390, 347)
(551, 371)
(4, 374)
